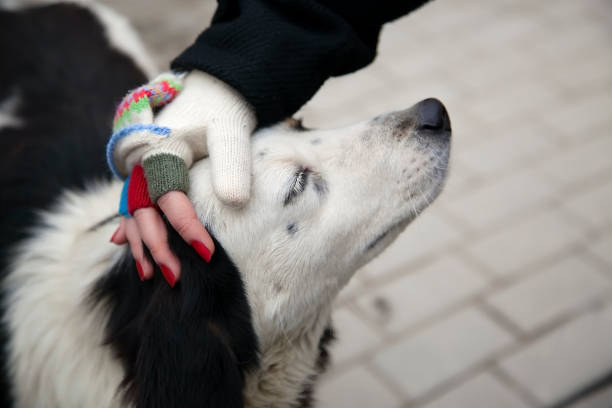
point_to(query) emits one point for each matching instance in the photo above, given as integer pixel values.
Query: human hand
(147, 226)
(207, 116)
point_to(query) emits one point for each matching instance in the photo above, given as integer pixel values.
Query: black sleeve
(278, 53)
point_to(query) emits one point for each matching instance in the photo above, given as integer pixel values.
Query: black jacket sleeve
(278, 53)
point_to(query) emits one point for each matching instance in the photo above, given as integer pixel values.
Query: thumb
(230, 155)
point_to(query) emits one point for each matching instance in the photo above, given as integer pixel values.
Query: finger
(119, 236)
(230, 157)
(144, 267)
(182, 216)
(153, 232)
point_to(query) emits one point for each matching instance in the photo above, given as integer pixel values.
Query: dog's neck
(290, 364)
(279, 364)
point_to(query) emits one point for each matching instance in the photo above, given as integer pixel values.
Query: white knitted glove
(207, 117)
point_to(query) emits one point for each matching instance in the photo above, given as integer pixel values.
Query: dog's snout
(431, 115)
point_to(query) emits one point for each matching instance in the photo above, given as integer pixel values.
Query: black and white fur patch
(65, 80)
(190, 345)
(187, 346)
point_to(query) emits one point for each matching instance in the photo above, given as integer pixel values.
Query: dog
(250, 328)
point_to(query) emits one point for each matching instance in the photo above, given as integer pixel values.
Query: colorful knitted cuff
(123, 202)
(138, 193)
(135, 114)
(125, 132)
(140, 101)
(166, 172)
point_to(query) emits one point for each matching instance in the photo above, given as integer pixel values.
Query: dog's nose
(432, 115)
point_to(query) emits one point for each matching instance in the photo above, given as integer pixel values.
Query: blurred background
(500, 294)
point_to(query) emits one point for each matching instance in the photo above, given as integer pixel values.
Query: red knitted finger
(138, 192)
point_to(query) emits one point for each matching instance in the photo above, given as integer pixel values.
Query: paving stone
(566, 359)
(564, 8)
(505, 109)
(482, 391)
(579, 117)
(581, 163)
(585, 72)
(166, 29)
(353, 336)
(600, 9)
(420, 362)
(602, 248)
(326, 108)
(513, 28)
(580, 34)
(502, 197)
(601, 399)
(417, 296)
(526, 241)
(550, 293)
(593, 205)
(427, 234)
(501, 151)
(356, 388)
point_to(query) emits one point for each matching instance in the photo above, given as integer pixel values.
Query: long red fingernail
(114, 235)
(201, 249)
(168, 274)
(140, 272)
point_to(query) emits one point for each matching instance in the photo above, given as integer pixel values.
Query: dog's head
(323, 203)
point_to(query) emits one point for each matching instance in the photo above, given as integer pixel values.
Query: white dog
(250, 328)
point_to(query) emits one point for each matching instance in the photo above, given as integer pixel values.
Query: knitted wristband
(137, 106)
(138, 194)
(166, 172)
(134, 118)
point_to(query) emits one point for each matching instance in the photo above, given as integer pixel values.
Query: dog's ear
(295, 123)
(190, 345)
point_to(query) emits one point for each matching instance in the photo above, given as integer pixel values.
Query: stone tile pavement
(500, 295)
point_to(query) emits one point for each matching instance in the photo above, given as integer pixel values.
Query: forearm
(277, 54)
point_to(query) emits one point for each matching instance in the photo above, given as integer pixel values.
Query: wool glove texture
(206, 116)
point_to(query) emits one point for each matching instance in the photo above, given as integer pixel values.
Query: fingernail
(140, 272)
(201, 249)
(168, 275)
(114, 235)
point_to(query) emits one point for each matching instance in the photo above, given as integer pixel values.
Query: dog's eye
(298, 184)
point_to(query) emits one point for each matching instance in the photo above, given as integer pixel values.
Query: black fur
(183, 347)
(306, 398)
(328, 337)
(69, 80)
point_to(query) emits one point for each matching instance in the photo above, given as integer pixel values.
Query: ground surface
(500, 295)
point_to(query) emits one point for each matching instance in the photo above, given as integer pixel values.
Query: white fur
(56, 358)
(378, 174)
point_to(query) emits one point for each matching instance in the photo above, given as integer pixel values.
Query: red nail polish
(140, 272)
(168, 274)
(201, 249)
(114, 235)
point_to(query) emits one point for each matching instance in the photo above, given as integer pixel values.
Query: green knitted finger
(165, 172)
